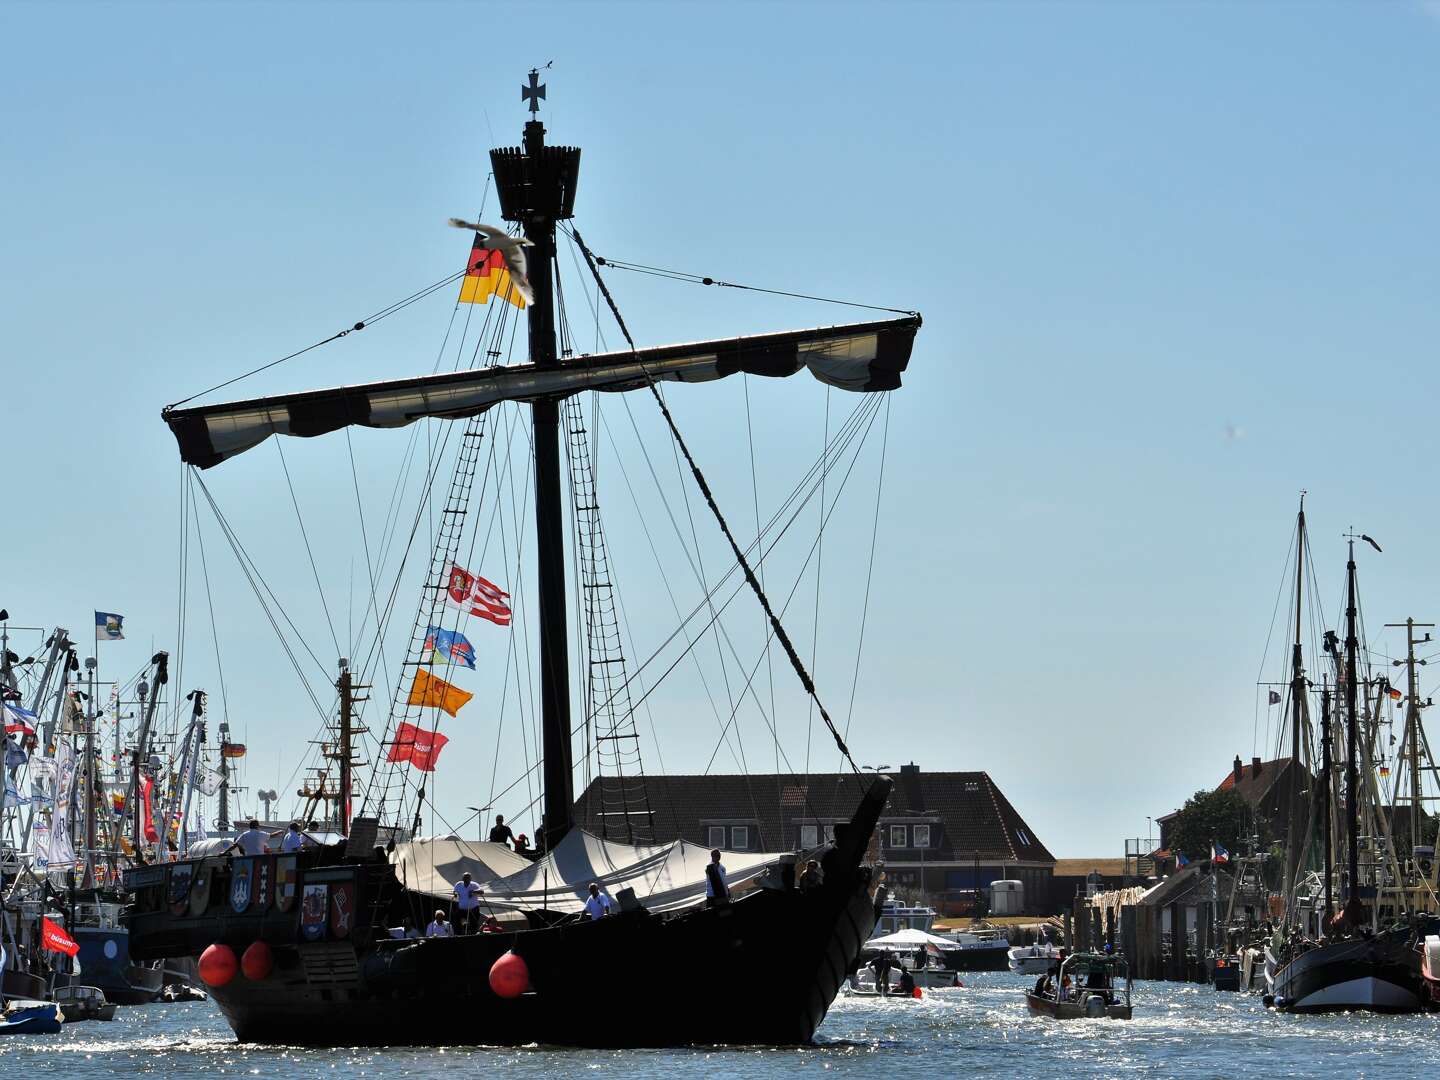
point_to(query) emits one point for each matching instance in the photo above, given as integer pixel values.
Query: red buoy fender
(509, 976)
(257, 961)
(218, 965)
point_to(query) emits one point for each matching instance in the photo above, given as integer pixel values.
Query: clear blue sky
(1176, 263)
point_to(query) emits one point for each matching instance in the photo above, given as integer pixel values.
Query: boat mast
(1353, 906)
(1412, 723)
(1326, 801)
(1297, 697)
(536, 186)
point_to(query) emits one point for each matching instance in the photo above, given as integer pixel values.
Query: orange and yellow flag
(436, 693)
(487, 276)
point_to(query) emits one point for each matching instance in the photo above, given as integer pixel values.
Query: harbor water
(1178, 1030)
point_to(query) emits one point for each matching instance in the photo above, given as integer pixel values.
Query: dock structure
(1165, 930)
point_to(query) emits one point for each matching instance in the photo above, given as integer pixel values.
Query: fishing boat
(296, 947)
(1086, 985)
(977, 948)
(1369, 954)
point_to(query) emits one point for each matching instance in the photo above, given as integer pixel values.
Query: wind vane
(534, 93)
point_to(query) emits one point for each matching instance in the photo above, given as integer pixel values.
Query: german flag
(486, 276)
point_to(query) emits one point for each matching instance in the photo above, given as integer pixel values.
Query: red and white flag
(55, 939)
(473, 594)
(419, 747)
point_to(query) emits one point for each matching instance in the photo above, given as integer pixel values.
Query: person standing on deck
(253, 841)
(294, 839)
(467, 903)
(438, 926)
(717, 889)
(501, 833)
(598, 904)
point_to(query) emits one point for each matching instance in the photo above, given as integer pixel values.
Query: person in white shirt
(405, 930)
(467, 903)
(438, 926)
(294, 839)
(717, 889)
(598, 904)
(252, 841)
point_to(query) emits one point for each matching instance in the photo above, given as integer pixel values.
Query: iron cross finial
(535, 92)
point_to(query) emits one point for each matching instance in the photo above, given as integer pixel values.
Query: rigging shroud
(859, 357)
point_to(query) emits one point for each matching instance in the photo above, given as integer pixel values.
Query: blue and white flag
(107, 626)
(448, 647)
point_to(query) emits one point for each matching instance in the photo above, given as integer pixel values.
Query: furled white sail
(861, 357)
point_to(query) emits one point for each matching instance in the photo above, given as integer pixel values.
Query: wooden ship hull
(1375, 974)
(607, 983)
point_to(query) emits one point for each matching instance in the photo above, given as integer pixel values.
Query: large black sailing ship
(310, 931)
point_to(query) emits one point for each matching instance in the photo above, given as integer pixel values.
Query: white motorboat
(1033, 959)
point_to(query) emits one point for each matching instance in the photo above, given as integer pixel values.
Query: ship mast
(1297, 699)
(536, 186)
(1354, 907)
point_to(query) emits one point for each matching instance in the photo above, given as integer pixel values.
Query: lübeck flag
(472, 593)
(56, 940)
(419, 747)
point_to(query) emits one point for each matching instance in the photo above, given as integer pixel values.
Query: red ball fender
(257, 961)
(509, 976)
(218, 965)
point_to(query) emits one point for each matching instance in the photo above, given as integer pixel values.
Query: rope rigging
(750, 578)
(384, 312)
(701, 279)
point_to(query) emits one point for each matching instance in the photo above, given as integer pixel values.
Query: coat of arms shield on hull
(242, 884)
(264, 877)
(286, 878)
(181, 875)
(314, 912)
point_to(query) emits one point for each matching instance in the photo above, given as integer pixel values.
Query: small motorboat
(1094, 986)
(1033, 959)
(84, 1003)
(31, 1018)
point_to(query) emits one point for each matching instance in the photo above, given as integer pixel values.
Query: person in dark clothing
(501, 833)
(881, 966)
(717, 889)
(907, 983)
(810, 878)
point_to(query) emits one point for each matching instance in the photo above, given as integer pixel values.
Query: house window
(972, 785)
(897, 836)
(809, 836)
(922, 835)
(1024, 836)
(717, 836)
(740, 837)
(829, 833)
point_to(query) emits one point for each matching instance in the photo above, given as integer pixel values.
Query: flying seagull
(512, 248)
(1370, 542)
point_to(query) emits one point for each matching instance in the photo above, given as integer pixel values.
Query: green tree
(1207, 817)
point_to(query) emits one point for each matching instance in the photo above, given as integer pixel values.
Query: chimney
(1254, 767)
(1239, 769)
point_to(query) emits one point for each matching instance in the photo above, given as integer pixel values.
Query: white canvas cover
(909, 939)
(433, 864)
(665, 877)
